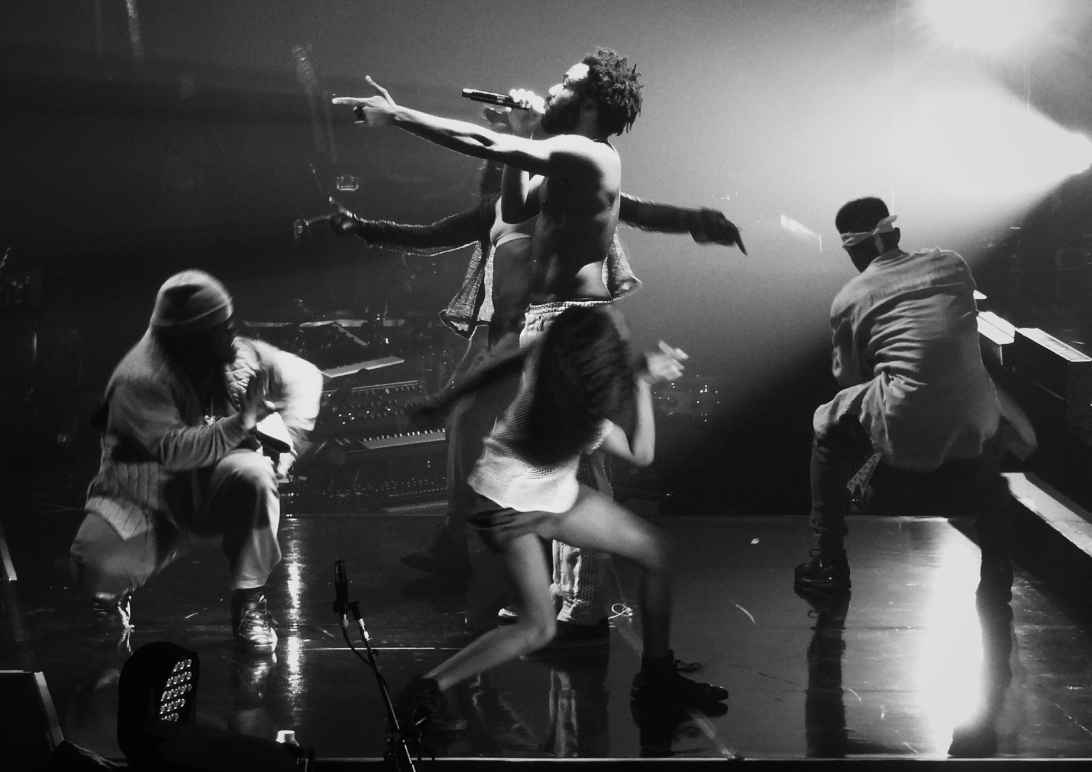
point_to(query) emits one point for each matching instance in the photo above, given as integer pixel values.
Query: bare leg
(596, 522)
(526, 565)
(580, 575)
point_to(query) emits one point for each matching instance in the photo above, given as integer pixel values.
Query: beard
(561, 118)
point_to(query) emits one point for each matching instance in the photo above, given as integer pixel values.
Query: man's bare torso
(578, 213)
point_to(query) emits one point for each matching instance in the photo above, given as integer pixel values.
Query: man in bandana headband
(912, 429)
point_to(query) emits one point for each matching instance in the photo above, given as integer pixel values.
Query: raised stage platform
(889, 677)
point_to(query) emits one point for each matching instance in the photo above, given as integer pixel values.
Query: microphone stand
(397, 750)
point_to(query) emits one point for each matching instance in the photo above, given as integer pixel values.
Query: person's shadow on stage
(981, 736)
(576, 705)
(825, 730)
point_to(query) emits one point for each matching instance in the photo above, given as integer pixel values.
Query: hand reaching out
(711, 226)
(343, 220)
(664, 365)
(371, 111)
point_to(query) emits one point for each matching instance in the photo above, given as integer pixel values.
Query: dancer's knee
(102, 563)
(248, 469)
(244, 496)
(659, 555)
(539, 632)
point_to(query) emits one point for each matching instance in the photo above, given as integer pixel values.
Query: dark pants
(468, 424)
(957, 488)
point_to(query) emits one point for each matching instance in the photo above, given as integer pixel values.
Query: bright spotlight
(989, 27)
(982, 147)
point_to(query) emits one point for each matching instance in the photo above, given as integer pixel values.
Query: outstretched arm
(451, 231)
(502, 362)
(538, 156)
(705, 225)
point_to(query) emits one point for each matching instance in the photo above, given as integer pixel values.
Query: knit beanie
(190, 301)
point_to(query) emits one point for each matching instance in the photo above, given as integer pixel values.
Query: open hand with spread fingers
(664, 365)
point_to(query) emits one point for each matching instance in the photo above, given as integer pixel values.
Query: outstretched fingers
(675, 353)
(358, 101)
(378, 89)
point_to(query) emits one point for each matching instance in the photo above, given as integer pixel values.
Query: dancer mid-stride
(577, 382)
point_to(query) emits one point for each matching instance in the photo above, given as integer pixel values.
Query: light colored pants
(242, 507)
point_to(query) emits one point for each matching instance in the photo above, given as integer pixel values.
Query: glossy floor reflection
(897, 669)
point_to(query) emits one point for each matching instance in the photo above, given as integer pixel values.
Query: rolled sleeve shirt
(906, 354)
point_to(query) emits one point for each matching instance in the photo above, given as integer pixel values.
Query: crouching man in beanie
(184, 454)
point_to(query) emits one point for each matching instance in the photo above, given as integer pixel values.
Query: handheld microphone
(341, 590)
(491, 97)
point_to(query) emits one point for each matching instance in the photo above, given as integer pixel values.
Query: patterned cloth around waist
(465, 307)
(539, 316)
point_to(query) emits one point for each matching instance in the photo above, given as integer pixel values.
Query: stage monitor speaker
(1060, 370)
(996, 336)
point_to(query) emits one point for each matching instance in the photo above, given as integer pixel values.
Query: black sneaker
(974, 741)
(659, 683)
(251, 623)
(823, 573)
(423, 709)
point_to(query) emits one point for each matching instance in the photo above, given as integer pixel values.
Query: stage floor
(908, 667)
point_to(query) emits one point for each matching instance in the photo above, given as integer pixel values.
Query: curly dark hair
(583, 375)
(616, 86)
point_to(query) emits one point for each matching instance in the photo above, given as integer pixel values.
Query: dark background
(141, 138)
